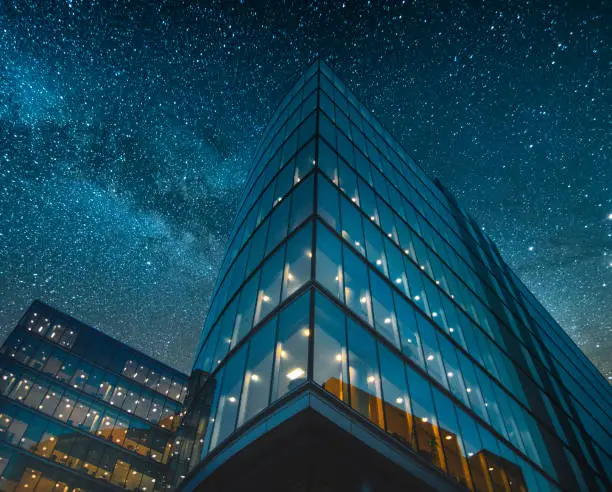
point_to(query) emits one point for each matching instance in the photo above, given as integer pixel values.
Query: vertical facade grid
(349, 268)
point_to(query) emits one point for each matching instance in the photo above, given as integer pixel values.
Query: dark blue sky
(126, 130)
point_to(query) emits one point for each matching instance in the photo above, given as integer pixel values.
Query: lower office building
(366, 335)
(80, 411)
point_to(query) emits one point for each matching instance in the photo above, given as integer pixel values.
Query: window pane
(213, 386)
(328, 161)
(425, 423)
(408, 330)
(453, 372)
(297, 263)
(291, 357)
(472, 388)
(473, 451)
(258, 376)
(374, 247)
(433, 359)
(246, 308)
(387, 221)
(301, 203)
(395, 262)
(368, 201)
(398, 414)
(256, 253)
(330, 367)
(348, 182)
(456, 462)
(356, 291)
(352, 230)
(415, 284)
(305, 161)
(279, 220)
(270, 285)
(365, 391)
(327, 203)
(329, 261)
(225, 420)
(382, 306)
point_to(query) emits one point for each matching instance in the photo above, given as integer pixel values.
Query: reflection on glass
(270, 285)
(356, 291)
(330, 358)
(258, 374)
(297, 263)
(425, 423)
(246, 308)
(291, 354)
(328, 206)
(456, 462)
(227, 410)
(408, 330)
(382, 306)
(398, 414)
(352, 230)
(329, 261)
(365, 388)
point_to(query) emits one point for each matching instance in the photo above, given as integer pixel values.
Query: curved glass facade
(348, 268)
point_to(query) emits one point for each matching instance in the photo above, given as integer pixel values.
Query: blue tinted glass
(365, 387)
(408, 330)
(258, 376)
(352, 230)
(398, 414)
(356, 287)
(246, 309)
(268, 295)
(329, 261)
(425, 422)
(291, 354)
(227, 410)
(297, 262)
(328, 207)
(382, 306)
(279, 221)
(330, 353)
(302, 200)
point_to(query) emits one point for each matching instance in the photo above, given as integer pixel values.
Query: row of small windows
(27, 473)
(135, 367)
(379, 213)
(93, 381)
(82, 413)
(63, 446)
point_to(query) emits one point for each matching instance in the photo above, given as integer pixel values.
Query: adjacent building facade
(366, 335)
(80, 411)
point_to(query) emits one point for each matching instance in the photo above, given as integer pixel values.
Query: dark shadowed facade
(80, 411)
(366, 335)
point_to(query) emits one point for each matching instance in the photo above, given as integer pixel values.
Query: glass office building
(80, 411)
(365, 334)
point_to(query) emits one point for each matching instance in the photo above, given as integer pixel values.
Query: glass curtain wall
(348, 267)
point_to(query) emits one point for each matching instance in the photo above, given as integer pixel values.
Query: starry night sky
(126, 130)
